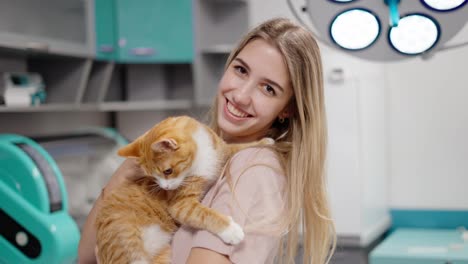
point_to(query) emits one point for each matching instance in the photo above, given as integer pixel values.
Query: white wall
(357, 148)
(428, 120)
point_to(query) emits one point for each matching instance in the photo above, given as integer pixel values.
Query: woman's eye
(167, 172)
(240, 69)
(269, 89)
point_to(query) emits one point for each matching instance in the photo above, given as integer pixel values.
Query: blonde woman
(272, 86)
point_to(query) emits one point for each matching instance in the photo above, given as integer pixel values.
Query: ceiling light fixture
(415, 28)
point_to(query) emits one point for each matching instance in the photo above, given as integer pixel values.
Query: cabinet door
(155, 31)
(106, 48)
(56, 26)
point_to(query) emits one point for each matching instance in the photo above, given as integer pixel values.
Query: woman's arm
(252, 194)
(203, 255)
(86, 248)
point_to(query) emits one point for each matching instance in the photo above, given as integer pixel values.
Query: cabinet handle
(142, 51)
(39, 46)
(106, 48)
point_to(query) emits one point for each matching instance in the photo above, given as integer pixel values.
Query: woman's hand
(129, 169)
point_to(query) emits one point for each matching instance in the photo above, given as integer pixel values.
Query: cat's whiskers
(155, 187)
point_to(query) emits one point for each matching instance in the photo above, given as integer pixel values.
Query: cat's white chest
(207, 161)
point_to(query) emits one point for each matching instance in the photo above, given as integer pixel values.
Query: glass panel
(63, 20)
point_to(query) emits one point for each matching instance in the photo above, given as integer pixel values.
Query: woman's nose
(243, 93)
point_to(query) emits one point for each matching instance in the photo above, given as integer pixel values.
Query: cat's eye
(167, 172)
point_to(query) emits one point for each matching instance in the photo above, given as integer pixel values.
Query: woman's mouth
(234, 111)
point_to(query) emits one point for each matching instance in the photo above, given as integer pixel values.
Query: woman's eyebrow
(241, 61)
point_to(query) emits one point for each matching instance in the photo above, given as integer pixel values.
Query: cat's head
(167, 159)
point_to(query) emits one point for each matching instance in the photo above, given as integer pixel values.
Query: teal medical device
(35, 226)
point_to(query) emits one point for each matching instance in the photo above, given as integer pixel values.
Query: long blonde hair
(303, 136)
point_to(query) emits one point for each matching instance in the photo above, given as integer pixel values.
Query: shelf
(61, 27)
(64, 78)
(104, 107)
(218, 49)
(49, 108)
(146, 105)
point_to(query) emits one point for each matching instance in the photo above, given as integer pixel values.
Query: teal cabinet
(106, 43)
(154, 31)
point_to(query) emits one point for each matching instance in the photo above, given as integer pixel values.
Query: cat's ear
(165, 145)
(132, 150)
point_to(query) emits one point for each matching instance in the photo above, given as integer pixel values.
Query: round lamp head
(355, 26)
(355, 29)
(444, 5)
(414, 34)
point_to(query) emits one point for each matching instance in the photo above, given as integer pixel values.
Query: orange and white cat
(181, 158)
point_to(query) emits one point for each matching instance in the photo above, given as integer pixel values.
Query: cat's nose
(172, 186)
(168, 186)
(164, 185)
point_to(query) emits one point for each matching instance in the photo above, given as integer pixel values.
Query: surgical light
(444, 5)
(355, 29)
(386, 30)
(414, 34)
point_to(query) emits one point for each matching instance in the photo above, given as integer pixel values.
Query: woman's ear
(286, 113)
(283, 115)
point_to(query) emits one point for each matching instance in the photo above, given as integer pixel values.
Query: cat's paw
(267, 141)
(233, 234)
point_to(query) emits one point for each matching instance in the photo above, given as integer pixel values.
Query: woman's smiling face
(253, 92)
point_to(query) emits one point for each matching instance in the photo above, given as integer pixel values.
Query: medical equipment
(34, 219)
(22, 89)
(386, 30)
(87, 159)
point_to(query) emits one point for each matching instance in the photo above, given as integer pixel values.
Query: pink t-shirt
(253, 196)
